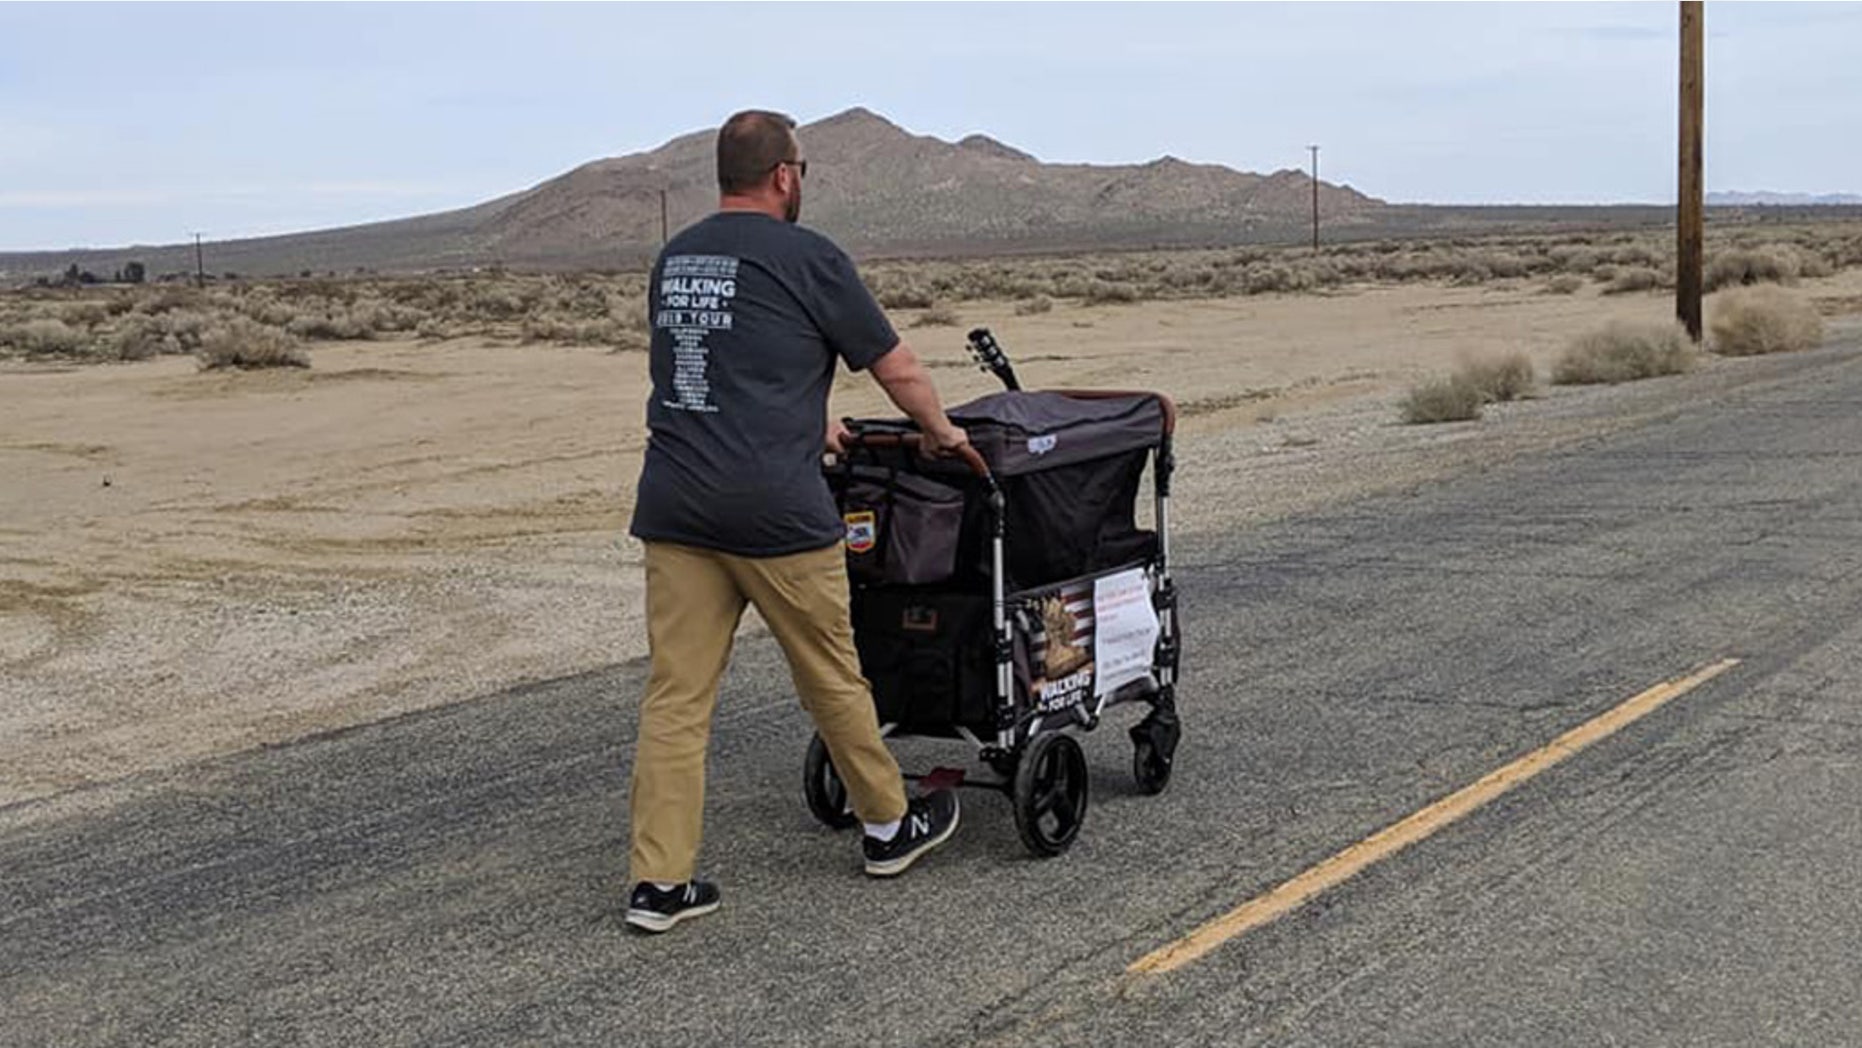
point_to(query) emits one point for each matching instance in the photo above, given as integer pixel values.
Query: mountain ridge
(873, 185)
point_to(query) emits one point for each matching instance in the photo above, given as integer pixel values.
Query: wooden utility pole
(1690, 215)
(200, 267)
(1315, 196)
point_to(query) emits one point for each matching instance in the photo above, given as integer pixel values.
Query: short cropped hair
(750, 144)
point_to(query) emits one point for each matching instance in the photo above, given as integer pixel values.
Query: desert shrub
(1507, 377)
(187, 327)
(1109, 292)
(629, 341)
(1750, 321)
(1573, 258)
(1031, 307)
(1624, 351)
(1502, 264)
(938, 316)
(601, 331)
(242, 343)
(166, 300)
(139, 337)
(1262, 279)
(337, 325)
(906, 296)
(435, 330)
(269, 311)
(1812, 265)
(1564, 284)
(1747, 265)
(1449, 399)
(1626, 279)
(44, 336)
(498, 303)
(1639, 256)
(84, 314)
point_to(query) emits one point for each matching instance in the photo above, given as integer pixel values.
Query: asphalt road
(456, 877)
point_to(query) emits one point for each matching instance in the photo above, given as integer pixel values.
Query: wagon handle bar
(911, 441)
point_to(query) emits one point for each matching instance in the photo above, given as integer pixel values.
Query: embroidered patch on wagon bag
(862, 531)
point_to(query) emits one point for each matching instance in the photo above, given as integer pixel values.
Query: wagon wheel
(1050, 794)
(1149, 767)
(1154, 747)
(827, 795)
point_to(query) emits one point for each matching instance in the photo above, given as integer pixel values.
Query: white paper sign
(1124, 630)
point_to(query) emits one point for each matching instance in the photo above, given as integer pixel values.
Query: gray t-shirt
(749, 314)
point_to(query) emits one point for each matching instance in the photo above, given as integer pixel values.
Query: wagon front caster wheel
(1050, 794)
(827, 795)
(1154, 750)
(1149, 767)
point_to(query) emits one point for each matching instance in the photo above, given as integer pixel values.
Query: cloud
(1631, 33)
(164, 197)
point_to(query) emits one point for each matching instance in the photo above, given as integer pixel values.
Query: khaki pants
(695, 598)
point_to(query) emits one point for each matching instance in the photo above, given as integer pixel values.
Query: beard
(792, 206)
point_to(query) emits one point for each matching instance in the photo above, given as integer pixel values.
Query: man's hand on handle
(945, 441)
(906, 381)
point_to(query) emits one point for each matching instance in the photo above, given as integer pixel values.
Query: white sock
(883, 831)
(663, 886)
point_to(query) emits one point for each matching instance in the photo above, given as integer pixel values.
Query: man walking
(750, 314)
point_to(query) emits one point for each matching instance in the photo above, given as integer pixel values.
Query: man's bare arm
(908, 384)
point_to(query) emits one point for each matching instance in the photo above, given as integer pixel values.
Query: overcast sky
(141, 123)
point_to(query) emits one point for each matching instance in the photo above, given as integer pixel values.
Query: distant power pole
(662, 218)
(1315, 196)
(200, 267)
(1690, 215)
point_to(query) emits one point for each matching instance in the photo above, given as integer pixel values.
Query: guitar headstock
(989, 354)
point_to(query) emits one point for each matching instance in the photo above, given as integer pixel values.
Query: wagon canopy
(1028, 432)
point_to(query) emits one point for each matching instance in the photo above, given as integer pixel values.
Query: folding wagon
(1008, 597)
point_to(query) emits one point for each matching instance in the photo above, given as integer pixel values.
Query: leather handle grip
(912, 442)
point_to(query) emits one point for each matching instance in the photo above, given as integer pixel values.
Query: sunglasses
(801, 166)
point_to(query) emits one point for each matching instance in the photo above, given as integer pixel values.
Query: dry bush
(84, 314)
(1748, 265)
(1033, 306)
(188, 327)
(1623, 351)
(139, 337)
(1750, 321)
(908, 296)
(938, 316)
(1564, 284)
(1450, 399)
(1107, 292)
(334, 326)
(1499, 378)
(1627, 279)
(242, 343)
(43, 337)
(630, 341)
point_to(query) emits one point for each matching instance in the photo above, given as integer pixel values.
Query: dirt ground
(197, 563)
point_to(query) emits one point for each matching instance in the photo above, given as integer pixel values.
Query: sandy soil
(197, 563)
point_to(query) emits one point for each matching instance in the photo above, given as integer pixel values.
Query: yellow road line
(1394, 838)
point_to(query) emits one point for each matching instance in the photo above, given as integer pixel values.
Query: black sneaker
(653, 910)
(929, 821)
